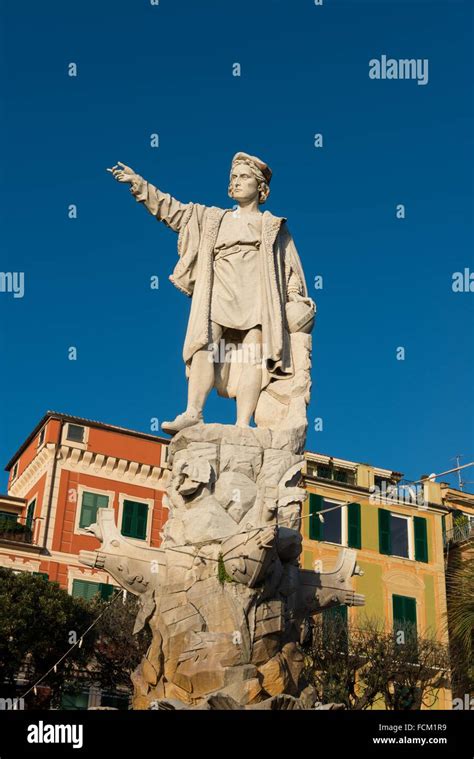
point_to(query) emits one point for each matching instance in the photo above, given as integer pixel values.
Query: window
(90, 503)
(404, 618)
(88, 590)
(75, 699)
(30, 514)
(84, 589)
(7, 519)
(15, 471)
(41, 437)
(330, 472)
(341, 525)
(343, 475)
(324, 471)
(399, 535)
(75, 433)
(134, 519)
(331, 529)
(403, 536)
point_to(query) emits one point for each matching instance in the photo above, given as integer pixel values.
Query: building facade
(397, 530)
(68, 467)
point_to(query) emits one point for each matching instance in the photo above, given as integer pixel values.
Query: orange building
(66, 469)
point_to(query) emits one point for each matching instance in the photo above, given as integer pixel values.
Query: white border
(150, 502)
(72, 443)
(80, 490)
(344, 527)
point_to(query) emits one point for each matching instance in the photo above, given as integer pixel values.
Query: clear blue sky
(168, 70)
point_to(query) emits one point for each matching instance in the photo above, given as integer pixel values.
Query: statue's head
(249, 178)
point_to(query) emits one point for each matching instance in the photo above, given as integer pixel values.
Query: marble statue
(242, 270)
(224, 595)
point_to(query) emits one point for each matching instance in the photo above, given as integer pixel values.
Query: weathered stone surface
(236, 493)
(209, 521)
(226, 605)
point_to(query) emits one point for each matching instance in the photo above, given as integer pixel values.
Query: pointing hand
(122, 173)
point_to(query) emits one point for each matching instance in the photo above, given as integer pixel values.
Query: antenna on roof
(457, 459)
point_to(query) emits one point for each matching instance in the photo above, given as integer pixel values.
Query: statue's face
(243, 184)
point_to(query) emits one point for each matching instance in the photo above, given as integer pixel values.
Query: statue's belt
(224, 252)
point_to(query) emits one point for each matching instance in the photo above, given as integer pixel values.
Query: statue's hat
(258, 163)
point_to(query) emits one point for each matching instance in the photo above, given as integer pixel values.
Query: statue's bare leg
(250, 381)
(201, 382)
(202, 373)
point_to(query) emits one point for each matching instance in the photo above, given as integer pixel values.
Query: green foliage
(117, 650)
(222, 574)
(36, 620)
(460, 595)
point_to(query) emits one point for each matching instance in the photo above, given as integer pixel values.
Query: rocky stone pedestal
(224, 595)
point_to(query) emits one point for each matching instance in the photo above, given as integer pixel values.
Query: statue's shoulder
(274, 220)
(273, 227)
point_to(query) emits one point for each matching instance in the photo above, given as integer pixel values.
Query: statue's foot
(186, 419)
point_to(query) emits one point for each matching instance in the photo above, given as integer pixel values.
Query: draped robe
(281, 274)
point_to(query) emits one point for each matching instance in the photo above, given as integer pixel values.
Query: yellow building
(458, 524)
(458, 536)
(397, 530)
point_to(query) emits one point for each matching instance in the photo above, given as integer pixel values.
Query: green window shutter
(88, 510)
(105, 590)
(443, 528)
(74, 699)
(354, 538)
(410, 610)
(385, 542)
(315, 525)
(134, 519)
(85, 589)
(404, 613)
(142, 516)
(90, 503)
(127, 518)
(44, 575)
(421, 539)
(398, 612)
(30, 514)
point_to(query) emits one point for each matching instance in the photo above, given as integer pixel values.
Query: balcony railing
(17, 532)
(459, 533)
(18, 529)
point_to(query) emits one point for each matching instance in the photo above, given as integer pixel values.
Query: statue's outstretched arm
(160, 204)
